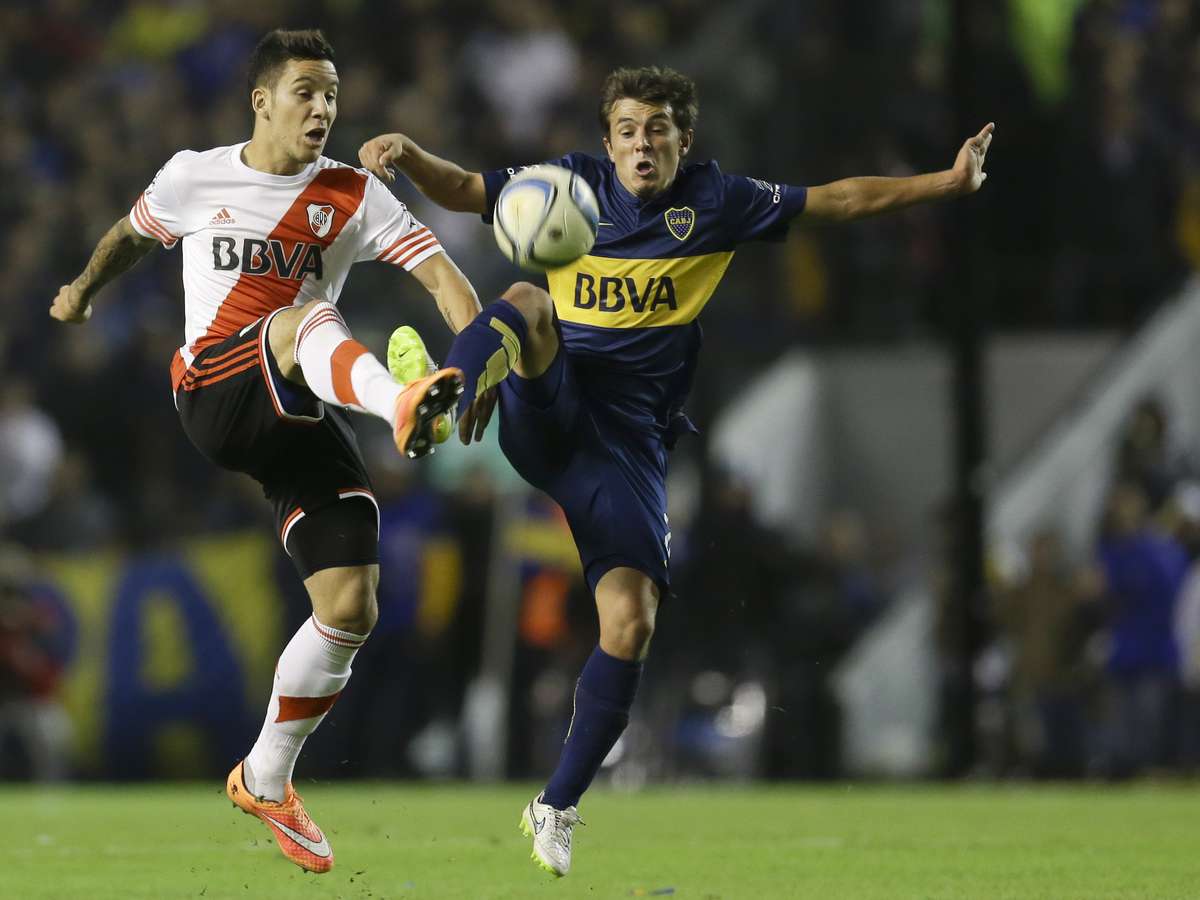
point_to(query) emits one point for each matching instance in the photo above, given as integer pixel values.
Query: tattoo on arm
(118, 251)
(448, 311)
(453, 294)
(458, 307)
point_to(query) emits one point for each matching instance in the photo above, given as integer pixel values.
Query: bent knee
(533, 303)
(281, 337)
(627, 601)
(354, 611)
(627, 636)
(345, 598)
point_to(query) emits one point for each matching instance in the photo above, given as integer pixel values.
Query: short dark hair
(651, 84)
(277, 47)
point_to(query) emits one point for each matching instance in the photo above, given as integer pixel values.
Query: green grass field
(851, 841)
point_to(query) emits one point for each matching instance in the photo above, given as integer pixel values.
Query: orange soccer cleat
(298, 837)
(420, 405)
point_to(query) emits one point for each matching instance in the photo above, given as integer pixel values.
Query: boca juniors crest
(680, 222)
(320, 218)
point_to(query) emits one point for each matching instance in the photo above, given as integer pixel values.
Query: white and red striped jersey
(254, 242)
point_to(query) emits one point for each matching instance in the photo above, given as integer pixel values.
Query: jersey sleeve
(760, 210)
(158, 212)
(496, 179)
(389, 232)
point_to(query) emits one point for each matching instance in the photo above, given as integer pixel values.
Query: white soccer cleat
(551, 831)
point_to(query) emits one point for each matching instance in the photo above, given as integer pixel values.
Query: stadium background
(145, 600)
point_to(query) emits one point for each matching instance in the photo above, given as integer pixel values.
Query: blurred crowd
(1091, 214)
(1095, 669)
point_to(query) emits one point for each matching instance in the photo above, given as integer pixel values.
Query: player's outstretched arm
(856, 198)
(445, 183)
(116, 253)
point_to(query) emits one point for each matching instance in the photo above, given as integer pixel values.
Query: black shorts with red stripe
(242, 414)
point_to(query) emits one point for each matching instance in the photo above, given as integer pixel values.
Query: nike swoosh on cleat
(316, 849)
(537, 826)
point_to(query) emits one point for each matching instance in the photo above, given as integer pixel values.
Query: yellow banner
(173, 653)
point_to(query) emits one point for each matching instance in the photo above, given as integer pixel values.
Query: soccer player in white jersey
(270, 229)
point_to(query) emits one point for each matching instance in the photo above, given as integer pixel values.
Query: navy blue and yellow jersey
(629, 308)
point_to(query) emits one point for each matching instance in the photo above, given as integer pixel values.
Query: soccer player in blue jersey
(591, 377)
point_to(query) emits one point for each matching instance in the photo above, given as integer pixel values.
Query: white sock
(313, 669)
(339, 369)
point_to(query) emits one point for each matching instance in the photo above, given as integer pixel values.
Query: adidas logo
(222, 218)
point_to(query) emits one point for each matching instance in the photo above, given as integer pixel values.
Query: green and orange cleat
(408, 362)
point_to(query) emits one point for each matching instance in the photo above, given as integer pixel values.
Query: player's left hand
(475, 420)
(968, 166)
(70, 305)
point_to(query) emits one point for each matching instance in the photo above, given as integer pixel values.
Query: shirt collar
(628, 198)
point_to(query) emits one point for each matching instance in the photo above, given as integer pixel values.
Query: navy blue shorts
(609, 480)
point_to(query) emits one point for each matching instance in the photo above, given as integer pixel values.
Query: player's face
(645, 145)
(301, 108)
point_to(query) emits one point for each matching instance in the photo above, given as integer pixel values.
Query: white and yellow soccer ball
(545, 217)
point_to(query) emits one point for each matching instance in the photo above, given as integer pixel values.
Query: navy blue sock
(487, 349)
(603, 696)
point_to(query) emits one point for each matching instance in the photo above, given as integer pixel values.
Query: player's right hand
(475, 417)
(968, 165)
(70, 305)
(379, 154)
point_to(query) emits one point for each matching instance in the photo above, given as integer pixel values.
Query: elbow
(125, 230)
(840, 201)
(846, 210)
(846, 205)
(471, 194)
(127, 234)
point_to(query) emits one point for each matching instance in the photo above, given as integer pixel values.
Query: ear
(260, 102)
(607, 146)
(685, 142)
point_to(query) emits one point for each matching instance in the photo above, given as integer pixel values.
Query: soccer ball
(545, 217)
